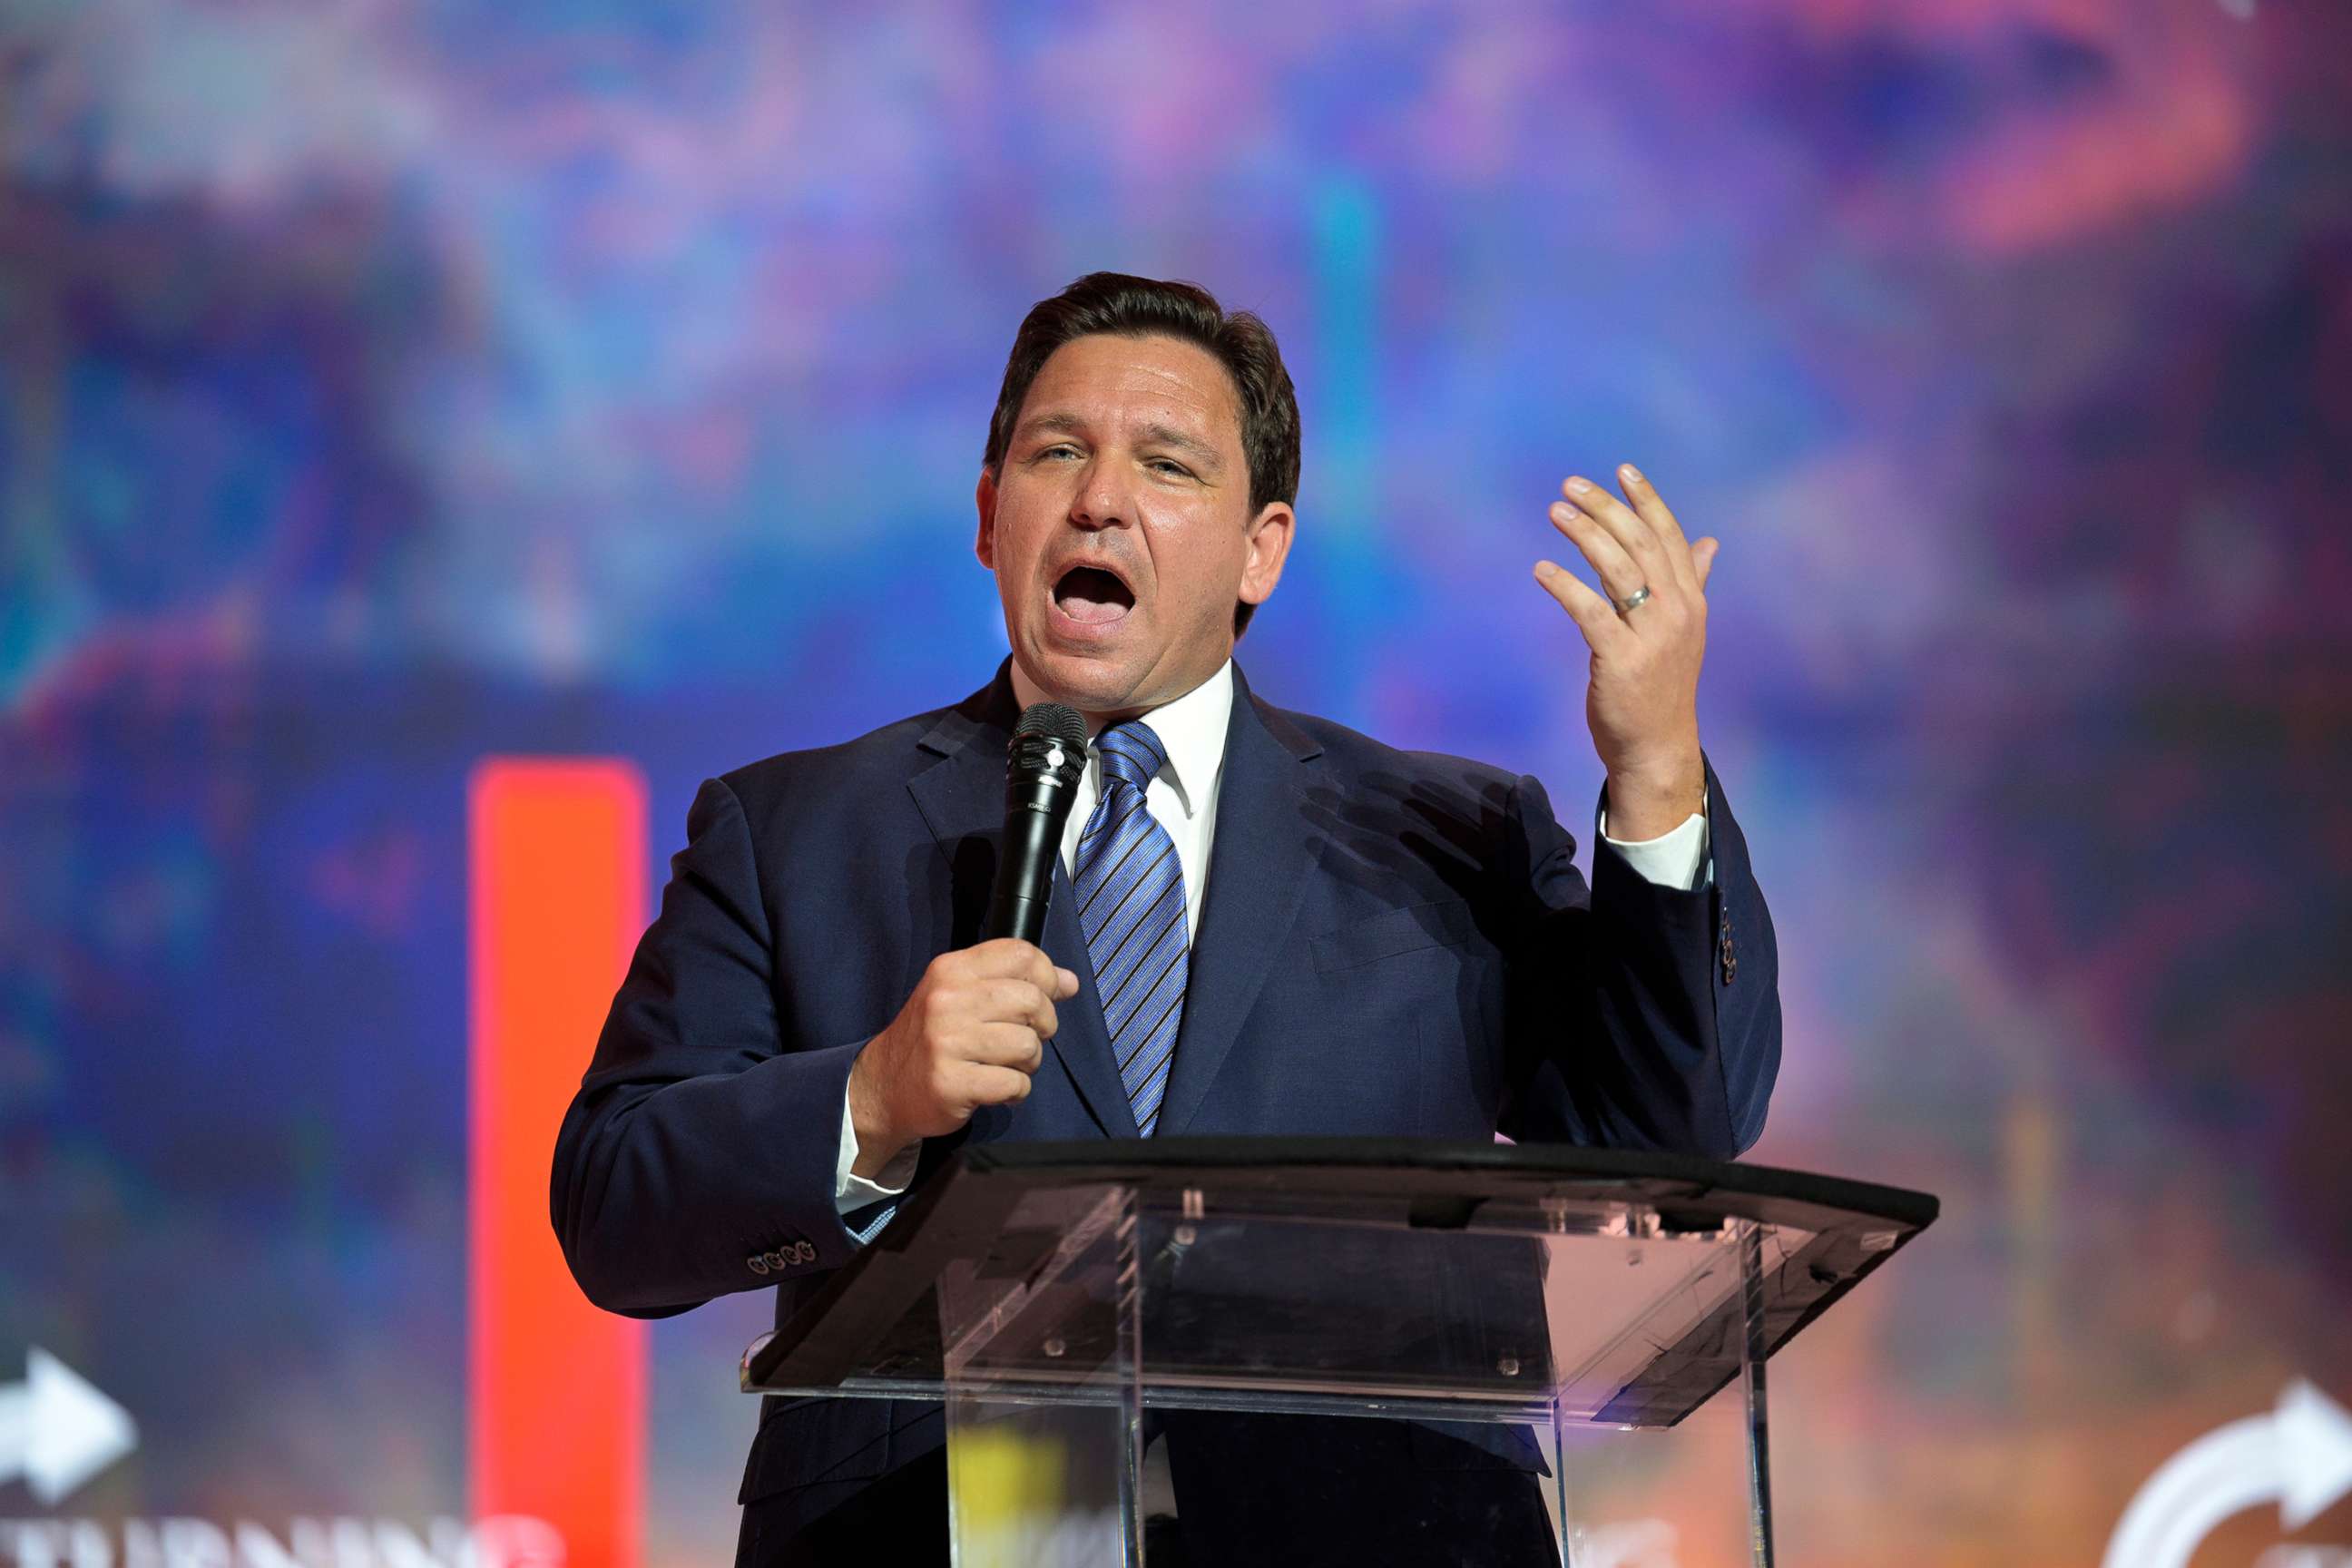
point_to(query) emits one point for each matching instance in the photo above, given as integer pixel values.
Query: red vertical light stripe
(557, 1388)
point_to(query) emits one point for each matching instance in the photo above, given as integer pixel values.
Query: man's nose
(1103, 499)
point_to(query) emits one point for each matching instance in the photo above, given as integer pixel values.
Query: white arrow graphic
(2299, 1456)
(57, 1431)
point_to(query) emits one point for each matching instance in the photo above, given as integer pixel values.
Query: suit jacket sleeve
(1640, 1017)
(698, 1157)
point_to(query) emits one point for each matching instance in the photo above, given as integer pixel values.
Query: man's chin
(1092, 680)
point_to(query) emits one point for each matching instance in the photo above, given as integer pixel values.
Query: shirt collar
(1192, 730)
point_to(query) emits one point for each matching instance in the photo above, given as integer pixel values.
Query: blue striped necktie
(1130, 891)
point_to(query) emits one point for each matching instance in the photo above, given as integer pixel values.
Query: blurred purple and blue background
(382, 387)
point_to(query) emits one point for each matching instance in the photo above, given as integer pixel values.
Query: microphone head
(1050, 737)
(1063, 723)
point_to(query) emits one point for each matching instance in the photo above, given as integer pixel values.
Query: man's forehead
(1135, 381)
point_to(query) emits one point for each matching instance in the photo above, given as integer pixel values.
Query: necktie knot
(1131, 754)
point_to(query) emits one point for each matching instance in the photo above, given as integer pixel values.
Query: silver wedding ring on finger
(1633, 601)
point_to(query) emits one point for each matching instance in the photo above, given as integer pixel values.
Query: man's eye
(1060, 450)
(1170, 465)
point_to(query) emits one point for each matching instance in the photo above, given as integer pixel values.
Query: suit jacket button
(759, 1265)
(778, 1261)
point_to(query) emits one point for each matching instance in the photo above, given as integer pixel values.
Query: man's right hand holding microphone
(970, 1036)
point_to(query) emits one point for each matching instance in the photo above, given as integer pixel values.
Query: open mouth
(1091, 596)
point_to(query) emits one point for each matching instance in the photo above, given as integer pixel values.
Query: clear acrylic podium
(1617, 1307)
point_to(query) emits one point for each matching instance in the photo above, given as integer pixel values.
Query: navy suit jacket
(1394, 943)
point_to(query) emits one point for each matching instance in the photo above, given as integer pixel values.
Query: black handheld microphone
(1046, 759)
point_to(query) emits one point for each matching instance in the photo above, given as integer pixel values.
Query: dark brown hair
(1128, 307)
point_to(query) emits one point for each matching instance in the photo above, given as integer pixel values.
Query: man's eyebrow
(1169, 436)
(1067, 424)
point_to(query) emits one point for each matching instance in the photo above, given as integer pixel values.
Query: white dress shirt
(1183, 800)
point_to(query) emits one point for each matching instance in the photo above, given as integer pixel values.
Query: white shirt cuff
(1674, 860)
(851, 1191)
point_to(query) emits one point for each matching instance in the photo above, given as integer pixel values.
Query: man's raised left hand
(1642, 701)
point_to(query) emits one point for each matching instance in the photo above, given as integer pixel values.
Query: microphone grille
(1055, 722)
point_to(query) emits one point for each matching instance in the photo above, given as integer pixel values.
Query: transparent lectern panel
(1037, 1486)
(1046, 1383)
(1321, 1275)
(1668, 1496)
(1045, 1451)
(1066, 1301)
(1050, 1280)
(1351, 1311)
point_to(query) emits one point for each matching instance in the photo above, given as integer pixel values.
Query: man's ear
(1267, 548)
(984, 497)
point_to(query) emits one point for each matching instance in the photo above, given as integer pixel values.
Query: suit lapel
(1266, 847)
(1082, 1041)
(961, 798)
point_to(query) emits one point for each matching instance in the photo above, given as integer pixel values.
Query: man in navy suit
(1264, 923)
